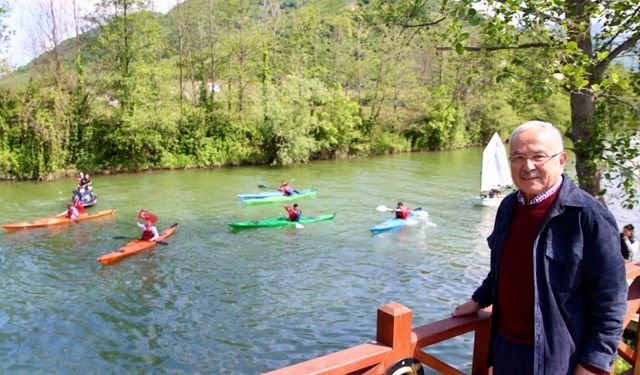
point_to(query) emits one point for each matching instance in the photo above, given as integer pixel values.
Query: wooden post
(394, 330)
(481, 348)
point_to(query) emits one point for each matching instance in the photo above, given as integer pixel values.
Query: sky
(22, 20)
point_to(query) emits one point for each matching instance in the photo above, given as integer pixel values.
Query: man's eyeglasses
(538, 159)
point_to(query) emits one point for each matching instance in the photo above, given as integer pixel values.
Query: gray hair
(547, 126)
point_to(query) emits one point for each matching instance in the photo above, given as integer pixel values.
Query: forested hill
(228, 82)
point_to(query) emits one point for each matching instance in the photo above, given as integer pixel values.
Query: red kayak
(135, 247)
(57, 220)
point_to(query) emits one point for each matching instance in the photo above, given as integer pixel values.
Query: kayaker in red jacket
(402, 212)
(149, 231)
(72, 212)
(286, 189)
(294, 212)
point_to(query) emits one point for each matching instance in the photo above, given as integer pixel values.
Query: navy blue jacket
(579, 282)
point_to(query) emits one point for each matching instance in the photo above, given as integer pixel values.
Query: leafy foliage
(227, 82)
(550, 45)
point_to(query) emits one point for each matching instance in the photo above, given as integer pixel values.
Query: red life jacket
(70, 213)
(403, 213)
(147, 233)
(294, 215)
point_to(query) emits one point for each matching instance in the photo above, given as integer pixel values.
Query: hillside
(223, 82)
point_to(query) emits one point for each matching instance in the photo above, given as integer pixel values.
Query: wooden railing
(399, 349)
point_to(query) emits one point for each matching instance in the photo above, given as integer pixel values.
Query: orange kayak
(56, 220)
(135, 247)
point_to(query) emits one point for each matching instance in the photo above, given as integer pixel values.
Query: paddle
(133, 238)
(383, 208)
(263, 186)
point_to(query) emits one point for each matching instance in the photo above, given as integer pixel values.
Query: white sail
(495, 166)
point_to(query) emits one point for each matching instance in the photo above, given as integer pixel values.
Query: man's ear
(563, 158)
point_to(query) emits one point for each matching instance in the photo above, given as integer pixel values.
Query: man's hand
(467, 308)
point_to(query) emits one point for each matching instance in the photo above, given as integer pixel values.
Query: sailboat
(496, 174)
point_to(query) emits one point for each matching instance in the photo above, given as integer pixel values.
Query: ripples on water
(221, 302)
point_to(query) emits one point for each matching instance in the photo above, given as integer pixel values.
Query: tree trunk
(583, 137)
(588, 146)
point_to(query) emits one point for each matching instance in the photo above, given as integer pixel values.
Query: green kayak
(279, 222)
(282, 198)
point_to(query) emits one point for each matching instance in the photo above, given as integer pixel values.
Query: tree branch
(621, 166)
(621, 29)
(426, 24)
(629, 43)
(500, 48)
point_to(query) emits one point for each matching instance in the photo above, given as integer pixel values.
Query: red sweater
(515, 280)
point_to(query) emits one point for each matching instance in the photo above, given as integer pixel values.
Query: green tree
(128, 47)
(128, 37)
(581, 59)
(305, 118)
(585, 55)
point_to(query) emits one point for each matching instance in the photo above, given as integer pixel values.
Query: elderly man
(557, 280)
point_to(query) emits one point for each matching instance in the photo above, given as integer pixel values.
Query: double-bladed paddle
(383, 208)
(263, 186)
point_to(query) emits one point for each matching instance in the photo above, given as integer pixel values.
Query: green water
(221, 302)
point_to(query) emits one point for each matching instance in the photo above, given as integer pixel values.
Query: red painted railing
(398, 347)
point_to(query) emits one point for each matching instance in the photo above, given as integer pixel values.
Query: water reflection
(216, 301)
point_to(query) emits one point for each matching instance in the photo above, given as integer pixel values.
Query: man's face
(533, 169)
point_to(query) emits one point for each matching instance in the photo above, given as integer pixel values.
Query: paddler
(72, 212)
(294, 212)
(402, 211)
(285, 188)
(149, 231)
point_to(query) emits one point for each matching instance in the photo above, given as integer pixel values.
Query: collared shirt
(540, 197)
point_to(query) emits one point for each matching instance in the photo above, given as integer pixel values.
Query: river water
(216, 301)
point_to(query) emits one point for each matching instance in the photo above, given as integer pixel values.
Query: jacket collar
(570, 194)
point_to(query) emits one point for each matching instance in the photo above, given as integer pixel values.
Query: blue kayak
(265, 194)
(281, 198)
(395, 223)
(268, 194)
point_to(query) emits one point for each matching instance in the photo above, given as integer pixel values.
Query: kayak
(282, 198)
(264, 194)
(279, 222)
(135, 247)
(393, 223)
(57, 220)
